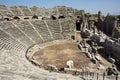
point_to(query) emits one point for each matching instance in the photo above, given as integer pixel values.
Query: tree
(118, 16)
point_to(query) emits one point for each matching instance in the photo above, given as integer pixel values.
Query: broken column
(70, 64)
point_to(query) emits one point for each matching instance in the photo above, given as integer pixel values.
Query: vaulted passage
(78, 25)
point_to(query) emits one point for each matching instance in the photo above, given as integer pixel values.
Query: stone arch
(43, 18)
(26, 18)
(53, 17)
(6, 19)
(72, 37)
(61, 17)
(35, 17)
(78, 25)
(16, 18)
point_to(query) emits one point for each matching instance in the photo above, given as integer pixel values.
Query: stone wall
(26, 11)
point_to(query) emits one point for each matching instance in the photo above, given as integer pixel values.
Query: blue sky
(92, 6)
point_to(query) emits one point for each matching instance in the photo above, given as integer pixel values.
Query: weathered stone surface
(17, 36)
(117, 32)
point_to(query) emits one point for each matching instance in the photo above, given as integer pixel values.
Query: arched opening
(78, 25)
(78, 17)
(26, 18)
(35, 17)
(61, 17)
(6, 19)
(43, 18)
(53, 17)
(72, 37)
(16, 18)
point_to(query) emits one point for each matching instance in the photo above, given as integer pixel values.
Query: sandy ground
(59, 54)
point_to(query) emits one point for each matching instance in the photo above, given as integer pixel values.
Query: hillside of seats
(15, 66)
(16, 11)
(25, 11)
(30, 32)
(17, 36)
(5, 10)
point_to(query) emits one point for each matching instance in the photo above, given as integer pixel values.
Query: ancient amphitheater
(22, 36)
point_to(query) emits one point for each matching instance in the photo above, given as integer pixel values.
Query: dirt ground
(59, 54)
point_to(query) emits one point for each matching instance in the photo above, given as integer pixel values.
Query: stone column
(114, 27)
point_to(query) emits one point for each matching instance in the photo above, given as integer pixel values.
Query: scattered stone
(70, 64)
(51, 68)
